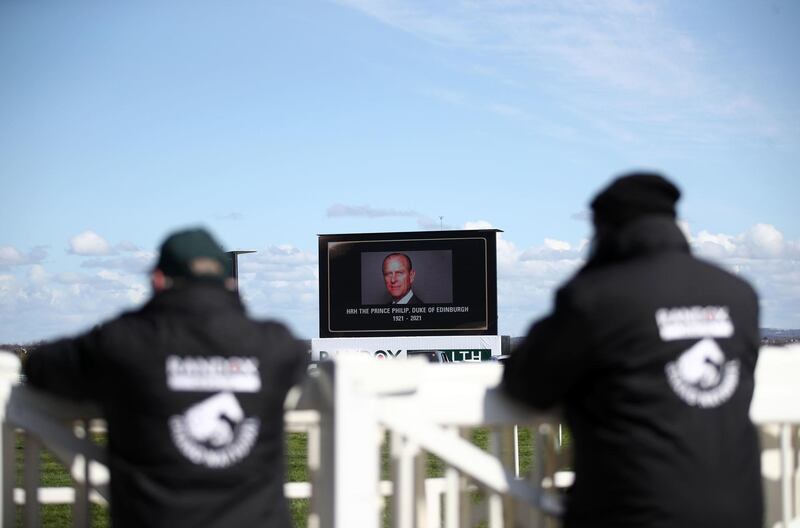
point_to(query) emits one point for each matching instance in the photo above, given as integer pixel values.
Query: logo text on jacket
(701, 376)
(214, 431)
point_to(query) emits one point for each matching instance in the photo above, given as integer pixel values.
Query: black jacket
(193, 393)
(651, 353)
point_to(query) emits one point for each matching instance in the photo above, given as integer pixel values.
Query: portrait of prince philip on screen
(398, 275)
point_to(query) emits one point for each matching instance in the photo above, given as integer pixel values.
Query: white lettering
(694, 322)
(214, 373)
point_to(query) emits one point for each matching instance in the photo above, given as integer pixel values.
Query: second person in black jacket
(651, 354)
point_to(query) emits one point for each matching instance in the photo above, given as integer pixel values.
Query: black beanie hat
(634, 195)
(182, 254)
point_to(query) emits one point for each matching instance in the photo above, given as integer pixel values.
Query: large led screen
(412, 283)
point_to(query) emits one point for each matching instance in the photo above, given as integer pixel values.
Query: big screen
(410, 283)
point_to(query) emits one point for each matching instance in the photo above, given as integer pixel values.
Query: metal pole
(235, 264)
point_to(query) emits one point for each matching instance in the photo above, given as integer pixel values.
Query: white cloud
(11, 256)
(89, 243)
(46, 303)
(763, 241)
(365, 210)
(526, 279)
(423, 221)
(713, 245)
(478, 224)
(556, 245)
(38, 275)
(126, 246)
(137, 262)
(762, 256)
(281, 282)
(554, 250)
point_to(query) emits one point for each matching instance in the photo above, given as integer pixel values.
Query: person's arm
(65, 367)
(293, 353)
(552, 358)
(300, 358)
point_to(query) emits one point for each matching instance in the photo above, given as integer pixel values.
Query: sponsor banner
(437, 349)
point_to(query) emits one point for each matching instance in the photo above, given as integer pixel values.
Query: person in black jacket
(650, 352)
(192, 391)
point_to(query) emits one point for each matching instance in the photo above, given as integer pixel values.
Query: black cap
(634, 195)
(192, 254)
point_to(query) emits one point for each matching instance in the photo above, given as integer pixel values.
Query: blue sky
(272, 122)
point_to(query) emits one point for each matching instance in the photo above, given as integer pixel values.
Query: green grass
(54, 474)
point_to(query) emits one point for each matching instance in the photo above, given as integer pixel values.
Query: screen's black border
(488, 235)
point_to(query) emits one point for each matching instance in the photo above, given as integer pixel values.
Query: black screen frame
(334, 300)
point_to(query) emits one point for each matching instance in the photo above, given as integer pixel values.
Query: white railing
(425, 407)
(349, 406)
(776, 411)
(62, 427)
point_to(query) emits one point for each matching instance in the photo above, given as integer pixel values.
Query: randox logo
(701, 377)
(214, 432)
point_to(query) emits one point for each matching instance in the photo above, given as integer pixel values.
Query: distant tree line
(779, 341)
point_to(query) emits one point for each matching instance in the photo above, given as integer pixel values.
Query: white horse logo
(215, 432)
(702, 364)
(701, 376)
(213, 419)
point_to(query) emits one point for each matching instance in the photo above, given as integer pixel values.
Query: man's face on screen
(397, 276)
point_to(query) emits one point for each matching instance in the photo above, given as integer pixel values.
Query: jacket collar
(645, 236)
(198, 297)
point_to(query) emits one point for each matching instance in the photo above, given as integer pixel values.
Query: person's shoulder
(727, 279)
(272, 327)
(278, 333)
(129, 321)
(281, 345)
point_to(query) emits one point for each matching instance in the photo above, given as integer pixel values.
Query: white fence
(348, 407)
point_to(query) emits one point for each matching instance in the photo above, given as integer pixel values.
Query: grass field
(60, 516)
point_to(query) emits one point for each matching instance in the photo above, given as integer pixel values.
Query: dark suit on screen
(415, 300)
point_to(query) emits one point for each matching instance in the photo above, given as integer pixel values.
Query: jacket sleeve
(294, 353)
(67, 367)
(552, 358)
(299, 361)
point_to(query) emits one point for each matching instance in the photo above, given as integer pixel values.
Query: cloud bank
(39, 301)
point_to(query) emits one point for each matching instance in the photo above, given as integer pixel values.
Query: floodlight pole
(235, 264)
